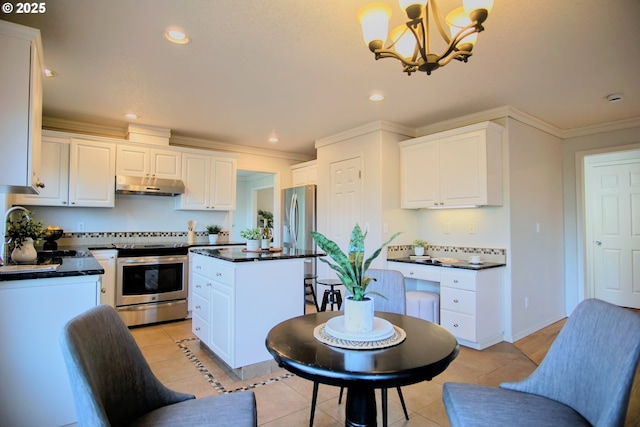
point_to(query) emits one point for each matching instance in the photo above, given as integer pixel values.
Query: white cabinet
(304, 174)
(210, 183)
(461, 167)
(81, 173)
(471, 306)
(227, 297)
(54, 170)
(107, 260)
(20, 108)
(35, 385)
(135, 160)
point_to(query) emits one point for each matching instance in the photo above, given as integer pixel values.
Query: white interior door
(613, 227)
(345, 206)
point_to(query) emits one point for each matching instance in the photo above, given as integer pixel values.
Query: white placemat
(324, 337)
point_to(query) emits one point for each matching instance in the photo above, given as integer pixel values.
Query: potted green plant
(213, 230)
(419, 246)
(24, 233)
(351, 270)
(253, 237)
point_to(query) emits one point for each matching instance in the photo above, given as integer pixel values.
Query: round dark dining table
(426, 352)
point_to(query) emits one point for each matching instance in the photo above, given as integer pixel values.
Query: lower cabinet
(107, 260)
(235, 304)
(35, 385)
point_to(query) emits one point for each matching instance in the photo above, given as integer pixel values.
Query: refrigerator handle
(293, 220)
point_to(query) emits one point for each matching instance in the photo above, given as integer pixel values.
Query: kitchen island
(238, 296)
(34, 306)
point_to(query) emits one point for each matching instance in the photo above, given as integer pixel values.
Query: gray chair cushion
(390, 284)
(235, 409)
(472, 405)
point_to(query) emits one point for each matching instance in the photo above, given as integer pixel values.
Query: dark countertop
(460, 264)
(106, 246)
(69, 266)
(239, 255)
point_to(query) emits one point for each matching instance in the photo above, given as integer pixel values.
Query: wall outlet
(472, 228)
(80, 227)
(447, 227)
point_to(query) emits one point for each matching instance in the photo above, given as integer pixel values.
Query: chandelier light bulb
(374, 19)
(404, 42)
(458, 19)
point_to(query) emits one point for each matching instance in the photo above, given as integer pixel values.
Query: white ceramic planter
(418, 250)
(25, 253)
(253, 245)
(358, 315)
(213, 238)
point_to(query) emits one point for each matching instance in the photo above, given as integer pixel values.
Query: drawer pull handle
(198, 286)
(219, 274)
(198, 267)
(197, 328)
(455, 325)
(197, 307)
(455, 280)
(411, 273)
(455, 300)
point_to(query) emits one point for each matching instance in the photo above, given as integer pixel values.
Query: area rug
(216, 382)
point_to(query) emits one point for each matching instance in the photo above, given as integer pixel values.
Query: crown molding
(72, 126)
(379, 125)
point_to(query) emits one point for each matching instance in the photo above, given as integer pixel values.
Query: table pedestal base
(361, 407)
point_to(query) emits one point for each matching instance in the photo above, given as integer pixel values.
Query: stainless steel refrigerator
(299, 219)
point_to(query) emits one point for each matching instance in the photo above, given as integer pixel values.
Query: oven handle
(153, 260)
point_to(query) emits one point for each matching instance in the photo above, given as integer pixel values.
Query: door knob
(598, 242)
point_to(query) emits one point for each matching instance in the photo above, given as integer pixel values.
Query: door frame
(583, 237)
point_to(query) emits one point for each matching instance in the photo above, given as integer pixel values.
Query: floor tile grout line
(217, 385)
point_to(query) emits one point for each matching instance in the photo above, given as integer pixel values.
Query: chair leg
(313, 403)
(383, 392)
(340, 397)
(404, 408)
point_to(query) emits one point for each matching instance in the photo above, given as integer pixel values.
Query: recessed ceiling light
(49, 73)
(376, 97)
(131, 116)
(273, 139)
(176, 36)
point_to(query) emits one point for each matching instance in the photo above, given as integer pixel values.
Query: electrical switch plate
(472, 228)
(80, 227)
(447, 227)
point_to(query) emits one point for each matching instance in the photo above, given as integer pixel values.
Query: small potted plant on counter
(358, 308)
(213, 231)
(419, 247)
(24, 232)
(253, 237)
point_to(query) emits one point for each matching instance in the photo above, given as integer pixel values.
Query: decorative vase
(253, 245)
(358, 315)
(25, 253)
(213, 238)
(418, 250)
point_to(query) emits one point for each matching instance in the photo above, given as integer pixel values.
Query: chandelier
(410, 42)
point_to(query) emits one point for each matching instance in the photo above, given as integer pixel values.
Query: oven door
(151, 279)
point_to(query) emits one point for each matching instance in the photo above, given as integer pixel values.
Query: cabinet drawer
(201, 265)
(222, 273)
(200, 328)
(458, 300)
(458, 279)
(200, 286)
(462, 326)
(201, 306)
(415, 271)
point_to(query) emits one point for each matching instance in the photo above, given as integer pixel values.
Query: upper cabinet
(304, 174)
(134, 160)
(457, 168)
(80, 174)
(20, 108)
(210, 183)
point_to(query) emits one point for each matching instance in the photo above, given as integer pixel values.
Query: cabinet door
(222, 325)
(165, 164)
(54, 173)
(420, 175)
(132, 160)
(92, 169)
(107, 260)
(223, 184)
(195, 174)
(466, 183)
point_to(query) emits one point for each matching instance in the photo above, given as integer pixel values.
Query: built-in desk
(471, 301)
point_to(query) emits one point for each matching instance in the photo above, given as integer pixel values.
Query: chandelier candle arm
(465, 23)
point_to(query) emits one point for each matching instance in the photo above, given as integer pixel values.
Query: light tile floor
(286, 400)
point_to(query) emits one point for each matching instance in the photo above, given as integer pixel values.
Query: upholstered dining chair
(113, 385)
(585, 379)
(390, 284)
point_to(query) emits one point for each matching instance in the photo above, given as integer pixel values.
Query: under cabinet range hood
(148, 186)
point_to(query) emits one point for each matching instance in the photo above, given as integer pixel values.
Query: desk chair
(389, 283)
(113, 385)
(585, 379)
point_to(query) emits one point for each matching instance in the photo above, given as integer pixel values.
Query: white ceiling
(299, 68)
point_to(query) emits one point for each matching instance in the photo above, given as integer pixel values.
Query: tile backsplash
(146, 237)
(458, 252)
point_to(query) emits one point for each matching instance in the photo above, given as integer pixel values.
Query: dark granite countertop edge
(237, 255)
(462, 264)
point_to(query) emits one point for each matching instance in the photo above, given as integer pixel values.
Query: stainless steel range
(151, 282)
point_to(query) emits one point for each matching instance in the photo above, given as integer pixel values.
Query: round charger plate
(381, 329)
(320, 333)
